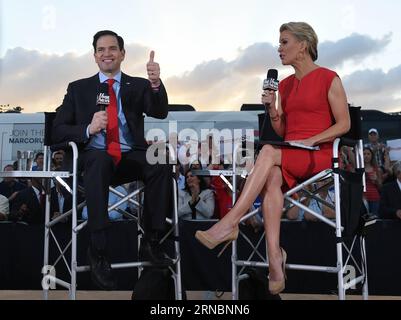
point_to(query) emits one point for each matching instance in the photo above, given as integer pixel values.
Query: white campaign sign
(395, 149)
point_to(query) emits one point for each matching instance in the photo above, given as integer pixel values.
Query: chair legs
(345, 257)
(73, 266)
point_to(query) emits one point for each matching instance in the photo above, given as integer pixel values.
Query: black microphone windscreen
(104, 88)
(272, 74)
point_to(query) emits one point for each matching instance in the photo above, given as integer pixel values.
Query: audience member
(223, 197)
(10, 187)
(29, 204)
(196, 201)
(61, 201)
(39, 162)
(196, 164)
(376, 146)
(380, 152)
(58, 158)
(373, 177)
(325, 191)
(224, 201)
(390, 202)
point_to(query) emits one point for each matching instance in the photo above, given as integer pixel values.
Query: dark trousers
(100, 172)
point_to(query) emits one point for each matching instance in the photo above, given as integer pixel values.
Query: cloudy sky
(214, 54)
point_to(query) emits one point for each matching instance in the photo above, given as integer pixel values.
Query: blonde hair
(303, 32)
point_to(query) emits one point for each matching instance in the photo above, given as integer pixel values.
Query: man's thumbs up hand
(153, 69)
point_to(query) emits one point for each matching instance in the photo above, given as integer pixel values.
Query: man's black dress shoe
(101, 272)
(151, 251)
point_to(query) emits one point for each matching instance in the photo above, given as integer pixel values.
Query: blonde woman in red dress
(311, 109)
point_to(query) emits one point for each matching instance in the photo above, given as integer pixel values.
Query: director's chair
(350, 225)
(70, 183)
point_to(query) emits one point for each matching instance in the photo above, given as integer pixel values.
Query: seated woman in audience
(196, 201)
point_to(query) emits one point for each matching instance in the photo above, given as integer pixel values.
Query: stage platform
(191, 295)
(21, 252)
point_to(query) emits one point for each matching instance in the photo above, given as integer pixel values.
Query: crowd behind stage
(202, 197)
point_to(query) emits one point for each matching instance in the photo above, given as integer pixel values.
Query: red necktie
(112, 133)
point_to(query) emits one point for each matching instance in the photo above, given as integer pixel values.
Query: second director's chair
(68, 253)
(350, 225)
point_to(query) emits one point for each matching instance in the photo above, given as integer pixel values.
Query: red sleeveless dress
(307, 112)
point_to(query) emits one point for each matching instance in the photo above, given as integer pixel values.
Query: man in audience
(390, 202)
(374, 144)
(58, 158)
(10, 187)
(39, 160)
(61, 201)
(29, 204)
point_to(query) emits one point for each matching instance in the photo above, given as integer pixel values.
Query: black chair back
(180, 107)
(266, 131)
(355, 133)
(252, 107)
(49, 118)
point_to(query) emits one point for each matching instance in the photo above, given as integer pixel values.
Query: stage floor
(191, 295)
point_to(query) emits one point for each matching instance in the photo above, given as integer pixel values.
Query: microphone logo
(103, 99)
(270, 84)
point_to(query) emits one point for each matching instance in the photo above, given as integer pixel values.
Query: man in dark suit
(10, 187)
(29, 204)
(113, 148)
(61, 201)
(390, 200)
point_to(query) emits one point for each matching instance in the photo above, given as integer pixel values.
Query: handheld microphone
(103, 100)
(271, 82)
(103, 97)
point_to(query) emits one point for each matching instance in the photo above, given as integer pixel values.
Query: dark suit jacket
(7, 189)
(390, 200)
(54, 206)
(35, 214)
(79, 105)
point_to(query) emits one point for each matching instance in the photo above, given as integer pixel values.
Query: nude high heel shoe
(209, 242)
(275, 287)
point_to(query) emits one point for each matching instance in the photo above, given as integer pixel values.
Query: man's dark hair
(38, 155)
(9, 166)
(102, 33)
